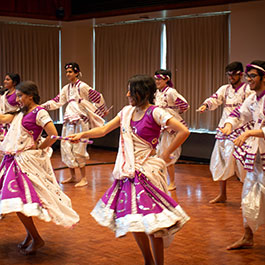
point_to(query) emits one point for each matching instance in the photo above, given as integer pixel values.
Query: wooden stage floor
(202, 241)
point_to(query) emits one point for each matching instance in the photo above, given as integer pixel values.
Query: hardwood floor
(202, 241)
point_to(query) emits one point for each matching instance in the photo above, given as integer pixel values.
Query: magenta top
(11, 99)
(147, 128)
(29, 123)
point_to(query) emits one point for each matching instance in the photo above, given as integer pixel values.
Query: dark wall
(69, 10)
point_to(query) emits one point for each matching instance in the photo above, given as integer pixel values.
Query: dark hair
(72, 65)
(29, 88)
(258, 63)
(142, 89)
(165, 72)
(15, 78)
(234, 67)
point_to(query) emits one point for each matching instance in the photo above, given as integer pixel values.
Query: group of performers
(152, 131)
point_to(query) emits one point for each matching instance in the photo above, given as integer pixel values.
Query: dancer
(137, 201)
(84, 111)
(223, 165)
(251, 152)
(8, 101)
(169, 99)
(28, 185)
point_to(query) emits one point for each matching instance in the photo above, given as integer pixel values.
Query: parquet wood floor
(202, 240)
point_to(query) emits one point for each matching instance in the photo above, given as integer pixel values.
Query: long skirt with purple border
(136, 205)
(17, 193)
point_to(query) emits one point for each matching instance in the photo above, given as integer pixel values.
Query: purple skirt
(17, 193)
(136, 205)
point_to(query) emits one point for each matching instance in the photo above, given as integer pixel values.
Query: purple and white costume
(223, 165)
(169, 99)
(138, 201)
(252, 155)
(84, 111)
(8, 103)
(27, 181)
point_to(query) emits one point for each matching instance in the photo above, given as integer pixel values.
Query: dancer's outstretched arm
(97, 132)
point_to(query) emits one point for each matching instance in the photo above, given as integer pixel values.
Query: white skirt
(223, 164)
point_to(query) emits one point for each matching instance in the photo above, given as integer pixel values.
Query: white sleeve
(216, 99)
(161, 116)
(242, 114)
(43, 118)
(95, 97)
(58, 101)
(178, 101)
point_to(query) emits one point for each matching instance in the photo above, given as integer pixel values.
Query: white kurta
(223, 165)
(5, 107)
(175, 104)
(84, 111)
(252, 155)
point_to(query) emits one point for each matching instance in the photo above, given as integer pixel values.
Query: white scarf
(17, 138)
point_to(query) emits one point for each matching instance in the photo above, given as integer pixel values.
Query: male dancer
(251, 152)
(223, 165)
(85, 109)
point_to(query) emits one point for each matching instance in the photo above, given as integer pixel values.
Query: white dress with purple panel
(8, 103)
(222, 164)
(138, 201)
(84, 111)
(169, 99)
(27, 181)
(252, 156)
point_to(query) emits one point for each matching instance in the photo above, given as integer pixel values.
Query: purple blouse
(30, 124)
(147, 128)
(11, 99)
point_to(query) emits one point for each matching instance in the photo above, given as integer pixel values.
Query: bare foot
(171, 187)
(81, 183)
(241, 243)
(219, 199)
(69, 180)
(33, 247)
(25, 243)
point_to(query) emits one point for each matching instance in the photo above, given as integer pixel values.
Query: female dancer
(8, 101)
(27, 183)
(137, 201)
(80, 115)
(169, 99)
